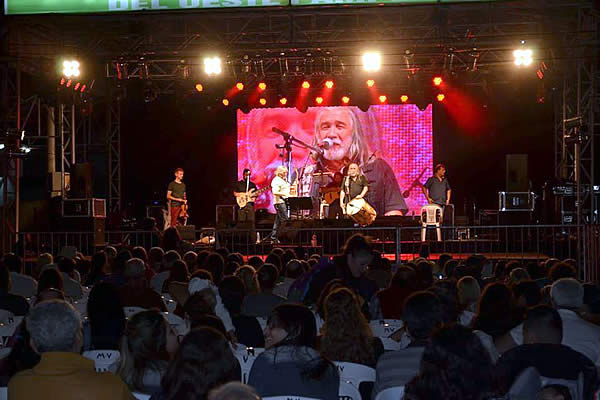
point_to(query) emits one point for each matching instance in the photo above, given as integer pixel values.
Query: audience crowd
(171, 323)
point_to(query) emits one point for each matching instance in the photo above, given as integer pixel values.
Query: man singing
(281, 191)
(437, 189)
(354, 186)
(177, 196)
(246, 213)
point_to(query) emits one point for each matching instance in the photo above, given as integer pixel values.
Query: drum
(361, 212)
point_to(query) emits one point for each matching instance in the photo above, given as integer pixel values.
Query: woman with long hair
(146, 349)
(248, 275)
(106, 320)
(290, 364)
(346, 334)
(203, 361)
(496, 313)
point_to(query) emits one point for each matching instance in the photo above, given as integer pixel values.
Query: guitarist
(335, 210)
(245, 214)
(177, 196)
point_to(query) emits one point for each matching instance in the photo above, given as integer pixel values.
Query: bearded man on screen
(338, 132)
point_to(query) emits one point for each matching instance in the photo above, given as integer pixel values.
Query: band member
(354, 186)
(177, 196)
(281, 191)
(335, 210)
(246, 213)
(437, 188)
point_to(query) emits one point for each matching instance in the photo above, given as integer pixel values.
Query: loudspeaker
(86, 224)
(81, 181)
(187, 232)
(517, 177)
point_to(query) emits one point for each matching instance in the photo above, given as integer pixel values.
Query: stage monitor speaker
(187, 232)
(517, 177)
(81, 181)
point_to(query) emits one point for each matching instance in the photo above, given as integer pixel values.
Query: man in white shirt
(21, 284)
(281, 191)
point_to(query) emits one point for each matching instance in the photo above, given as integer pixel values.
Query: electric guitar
(243, 199)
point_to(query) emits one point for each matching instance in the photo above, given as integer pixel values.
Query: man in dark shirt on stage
(177, 196)
(354, 186)
(437, 189)
(245, 214)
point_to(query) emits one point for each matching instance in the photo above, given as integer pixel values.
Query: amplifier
(516, 201)
(84, 208)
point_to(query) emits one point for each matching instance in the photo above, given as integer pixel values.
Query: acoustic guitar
(243, 199)
(330, 194)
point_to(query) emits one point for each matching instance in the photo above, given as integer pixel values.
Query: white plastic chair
(246, 358)
(263, 322)
(81, 307)
(393, 393)
(355, 373)
(104, 360)
(141, 396)
(383, 328)
(169, 302)
(431, 215)
(130, 311)
(6, 316)
(178, 324)
(3, 393)
(8, 329)
(347, 391)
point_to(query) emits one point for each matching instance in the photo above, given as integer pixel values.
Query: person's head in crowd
(106, 317)
(135, 273)
(545, 295)
(232, 292)
(291, 325)
(5, 282)
(449, 268)
(441, 262)
(171, 239)
(190, 258)
(542, 325)
(203, 274)
(562, 270)
(233, 391)
(495, 299)
(66, 265)
(202, 256)
(248, 275)
(223, 251)
(156, 258)
(99, 263)
(550, 262)
(422, 313)
(13, 262)
(424, 275)
(454, 366)
(404, 278)
(199, 309)
(288, 255)
(278, 250)
(571, 262)
(54, 326)
(468, 291)
(203, 362)
(140, 252)
(460, 271)
(445, 290)
(328, 288)
(500, 271)
(424, 250)
(179, 272)
(171, 257)
(209, 321)
(346, 334)
(517, 275)
(274, 259)
(230, 268)
(237, 257)
(111, 253)
(83, 266)
(312, 262)
(554, 392)
(255, 262)
(294, 269)
(567, 293)
(535, 270)
(43, 260)
(358, 254)
(50, 279)
(510, 265)
(267, 276)
(215, 264)
(146, 348)
(118, 266)
(526, 294)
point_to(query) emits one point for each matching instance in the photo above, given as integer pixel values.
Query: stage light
(199, 88)
(25, 149)
(404, 98)
(440, 97)
(212, 65)
(239, 86)
(329, 84)
(69, 83)
(262, 86)
(371, 61)
(319, 100)
(382, 98)
(225, 102)
(262, 101)
(71, 68)
(370, 83)
(306, 85)
(523, 57)
(283, 101)
(345, 99)
(437, 81)
(1, 146)
(83, 88)
(62, 81)
(76, 87)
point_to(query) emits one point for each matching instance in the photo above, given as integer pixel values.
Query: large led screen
(392, 143)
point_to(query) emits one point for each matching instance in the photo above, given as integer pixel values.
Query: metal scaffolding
(113, 146)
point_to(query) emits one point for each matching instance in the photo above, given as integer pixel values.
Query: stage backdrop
(400, 134)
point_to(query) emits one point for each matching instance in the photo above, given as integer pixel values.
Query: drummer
(354, 186)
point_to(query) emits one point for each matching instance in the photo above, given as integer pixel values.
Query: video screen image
(393, 144)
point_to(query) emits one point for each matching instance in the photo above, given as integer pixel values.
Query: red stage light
(262, 101)
(199, 87)
(370, 83)
(404, 98)
(306, 85)
(437, 81)
(62, 81)
(345, 99)
(69, 83)
(319, 100)
(329, 84)
(440, 97)
(239, 86)
(76, 87)
(225, 102)
(83, 88)
(283, 101)
(382, 98)
(262, 86)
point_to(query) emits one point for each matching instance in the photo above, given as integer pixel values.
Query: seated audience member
(43, 260)
(156, 257)
(380, 271)
(542, 349)
(136, 293)
(274, 258)
(14, 303)
(255, 262)
(292, 271)
(179, 273)
(346, 334)
(423, 275)
(50, 279)
(445, 290)
(73, 288)
(261, 304)
(526, 294)
(455, 366)
(468, 291)
(517, 275)
(248, 275)
(441, 262)
(578, 334)
(233, 391)
(561, 270)
(290, 365)
(449, 268)
(422, 315)
(391, 300)
(62, 373)
(157, 282)
(111, 253)
(190, 258)
(247, 328)
(146, 348)
(496, 312)
(591, 303)
(215, 264)
(82, 269)
(140, 252)
(117, 276)
(21, 284)
(199, 311)
(98, 272)
(554, 392)
(105, 319)
(171, 239)
(203, 362)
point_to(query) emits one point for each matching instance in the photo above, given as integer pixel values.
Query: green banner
(372, 2)
(12, 7)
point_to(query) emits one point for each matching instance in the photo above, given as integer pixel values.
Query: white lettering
(117, 5)
(139, 4)
(189, 3)
(156, 5)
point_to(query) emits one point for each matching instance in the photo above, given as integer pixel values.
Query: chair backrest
(8, 329)
(393, 393)
(81, 307)
(385, 327)
(169, 302)
(104, 360)
(178, 324)
(246, 358)
(348, 392)
(526, 386)
(355, 373)
(263, 322)
(141, 396)
(6, 316)
(575, 386)
(3, 393)
(131, 310)
(289, 397)
(431, 214)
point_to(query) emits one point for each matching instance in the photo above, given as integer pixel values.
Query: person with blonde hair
(468, 291)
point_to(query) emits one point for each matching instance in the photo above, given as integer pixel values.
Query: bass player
(244, 191)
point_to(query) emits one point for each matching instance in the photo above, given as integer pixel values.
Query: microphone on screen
(326, 144)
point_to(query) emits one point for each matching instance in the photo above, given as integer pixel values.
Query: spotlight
(262, 86)
(62, 81)
(382, 98)
(225, 102)
(283, 101)
(371, 61)
(370, 83)
(71, 68)
(345, 99)
(25, 149)
(77, 85)
(199, 88)
(329, 84)
(239, 86)
(262, 101)
(523, 57)
(440, 97)
(306, 85)
(2, 146)
(437, 81)
(212, 65)
(69, 83)
(404, 98)
(83, 88)
(319, 100)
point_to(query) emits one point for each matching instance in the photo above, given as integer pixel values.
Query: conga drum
(361, 212)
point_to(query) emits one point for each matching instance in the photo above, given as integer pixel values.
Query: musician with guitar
(280, 188)
(245, 192)
(177, 196)
(331, 195)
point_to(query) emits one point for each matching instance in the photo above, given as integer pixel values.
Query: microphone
(326, 144)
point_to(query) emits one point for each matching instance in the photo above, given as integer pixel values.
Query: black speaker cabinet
(187, 232)
(81, 181)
